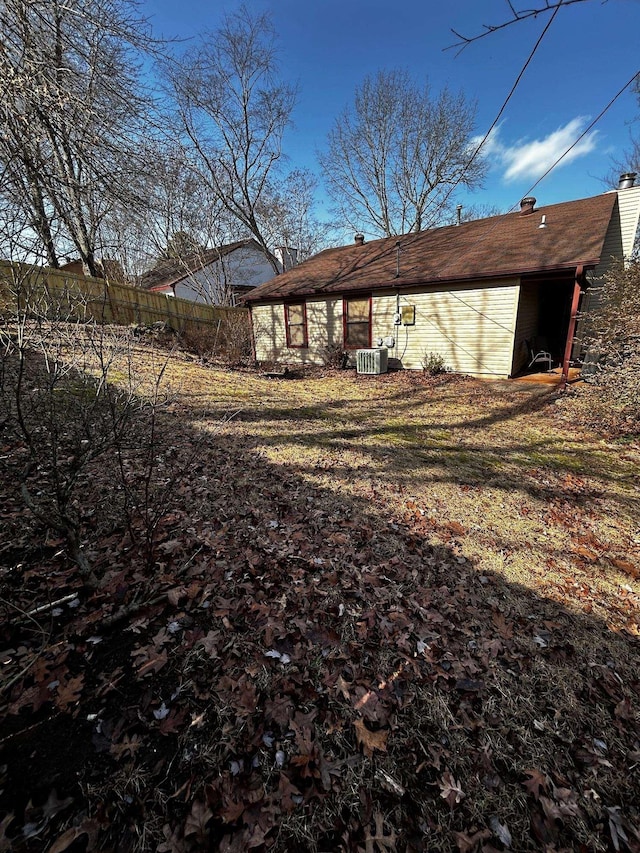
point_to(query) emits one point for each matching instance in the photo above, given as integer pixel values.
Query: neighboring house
(474, 293)
(107, 268)
(219, 276)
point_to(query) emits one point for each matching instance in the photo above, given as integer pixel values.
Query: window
(356, 314)
(295, 319)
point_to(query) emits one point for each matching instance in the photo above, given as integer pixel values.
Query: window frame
(287, 325)
(345, 320)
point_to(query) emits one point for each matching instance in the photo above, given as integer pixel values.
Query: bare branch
(72, 112)
(516, 16)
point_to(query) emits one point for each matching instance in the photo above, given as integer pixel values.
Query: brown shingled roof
(500, 246)
(170, 271)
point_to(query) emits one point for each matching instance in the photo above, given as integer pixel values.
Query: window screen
(296, 323)
(357, 322)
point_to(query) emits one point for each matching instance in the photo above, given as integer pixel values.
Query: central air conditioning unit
(372, 361)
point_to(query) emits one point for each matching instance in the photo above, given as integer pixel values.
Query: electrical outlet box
(408, 315)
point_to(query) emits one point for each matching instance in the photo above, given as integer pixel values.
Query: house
(218, 276)
(474, 293)
(107, 268)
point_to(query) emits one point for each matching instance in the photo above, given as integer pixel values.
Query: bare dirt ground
(373, 614)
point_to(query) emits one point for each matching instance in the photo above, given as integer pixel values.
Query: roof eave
(395, 283)
(203, 263)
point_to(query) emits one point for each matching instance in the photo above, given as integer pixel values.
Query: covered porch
(550, 377)
(546, 322)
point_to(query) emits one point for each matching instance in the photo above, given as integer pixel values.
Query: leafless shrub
(613, 340)
(82, 421)
(333, 356)
(228, 340)
(433, 364)
(236, 345)
(204, 341)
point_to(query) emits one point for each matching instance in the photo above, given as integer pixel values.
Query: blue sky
(589, 52)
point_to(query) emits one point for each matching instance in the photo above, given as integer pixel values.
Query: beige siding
(621, 233)
(612, 249)
(618, 245)
(471, 327)
(324, 328)
(629, 203)
(268, 331)
(527, 325)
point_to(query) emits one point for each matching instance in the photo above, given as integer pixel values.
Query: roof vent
(527, 205)
(627, 180)
(359, 238)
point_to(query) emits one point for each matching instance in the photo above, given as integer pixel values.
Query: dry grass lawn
(496, 470)
(389, 613)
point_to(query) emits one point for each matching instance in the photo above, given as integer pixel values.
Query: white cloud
(492, 146)
(529, 159)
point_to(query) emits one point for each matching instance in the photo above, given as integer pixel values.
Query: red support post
(577, 290)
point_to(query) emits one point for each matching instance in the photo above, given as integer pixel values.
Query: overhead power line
(585, 131)
(469, 163)
(559, 159)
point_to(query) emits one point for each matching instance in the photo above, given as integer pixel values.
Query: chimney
(286, 257)
(359, 238)
(627, 180)
(526, 205)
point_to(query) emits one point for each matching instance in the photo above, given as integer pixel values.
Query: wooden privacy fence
(60, 295)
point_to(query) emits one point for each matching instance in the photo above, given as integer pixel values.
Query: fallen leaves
(149, 660)
(627, 567)
(536, 783)
(313, 646)
(370, 741)
(470, 841)
(501, 831)
(624, 835)
(68, 692)
(88, 830)
(380, 840)
(450, 789)
(197, 820)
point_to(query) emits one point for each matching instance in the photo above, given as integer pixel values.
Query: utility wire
(585, 131)
(501, 111)
(488, 233)
(468, 164)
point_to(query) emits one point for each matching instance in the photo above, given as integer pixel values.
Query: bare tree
(180, 200)
(470, 212)
(173, 199)
(233, 109)
(395, 157)
(71, 110)
(287, 215)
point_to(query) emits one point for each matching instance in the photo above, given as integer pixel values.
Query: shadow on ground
(317, 673)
